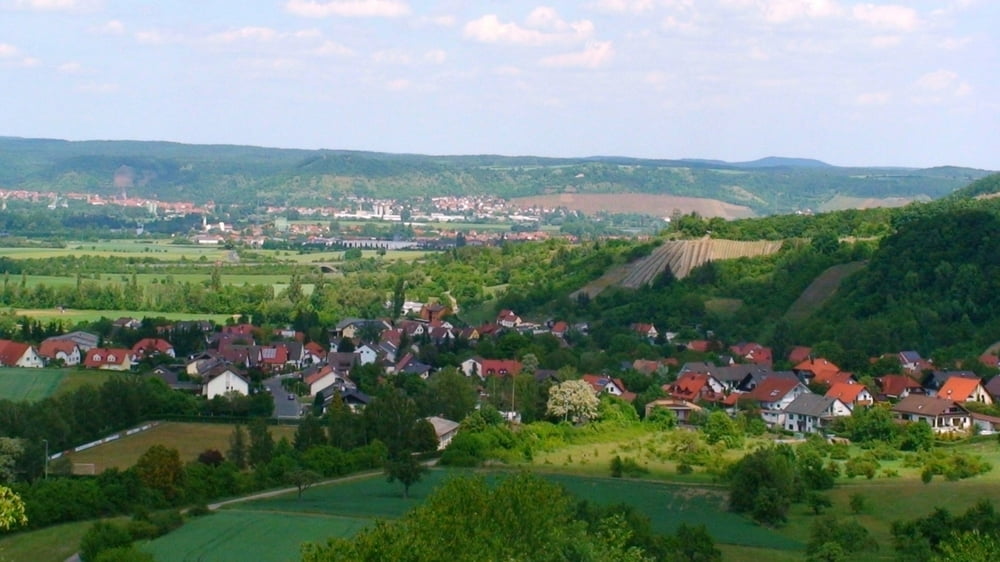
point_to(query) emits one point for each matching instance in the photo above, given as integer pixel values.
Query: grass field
(72, 316)
(29, 384)
(237, 536)
(159, 249)
(51, 544)
(190, 439)
(342, 509)
(75, 378)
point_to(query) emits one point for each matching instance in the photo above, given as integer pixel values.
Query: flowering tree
(573, 400)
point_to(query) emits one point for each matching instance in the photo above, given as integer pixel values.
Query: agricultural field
(159, 249)
(645, 203)
(29, 384)
(71, 316)
(680, 256)
(344, 508)
(190, 439)
(820, 290)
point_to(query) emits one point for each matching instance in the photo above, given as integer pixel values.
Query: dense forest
(252, 175)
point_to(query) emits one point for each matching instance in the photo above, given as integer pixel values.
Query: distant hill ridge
(232, 174)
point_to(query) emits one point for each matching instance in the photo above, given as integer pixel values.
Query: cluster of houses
(786, 399)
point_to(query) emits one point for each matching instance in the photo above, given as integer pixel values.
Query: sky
(910, 83)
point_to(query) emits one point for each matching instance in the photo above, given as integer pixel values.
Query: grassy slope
(51, 544)
(29, 384)
(190, 439)
(820, 290)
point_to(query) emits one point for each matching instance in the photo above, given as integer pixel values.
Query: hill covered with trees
(248, 175)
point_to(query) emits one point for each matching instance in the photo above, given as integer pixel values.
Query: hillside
(242, 174)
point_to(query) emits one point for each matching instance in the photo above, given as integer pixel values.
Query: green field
(51, 544)
(71, 316)
(29, 384)
(340, 510)
(237, 536)
(159, 249)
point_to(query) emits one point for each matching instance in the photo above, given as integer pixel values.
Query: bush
(103, 536)
(862, 465)
(684, 469)
(198, 510)
(124, 554)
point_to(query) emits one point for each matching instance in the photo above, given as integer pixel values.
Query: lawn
(51, 544)
(75, 378)
(29, 384)
(236, 535)
(190, 440)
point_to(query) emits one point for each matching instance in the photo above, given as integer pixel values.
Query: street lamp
(46, 470)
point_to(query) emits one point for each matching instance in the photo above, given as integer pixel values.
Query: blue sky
(911, 83)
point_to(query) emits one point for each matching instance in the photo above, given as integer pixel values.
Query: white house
(366, 354)
(774, 394)
(809, 413)
(220, 381)
(16, 354)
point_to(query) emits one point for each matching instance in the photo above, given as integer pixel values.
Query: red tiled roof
(500, 367)
(773, 389)
(99, 356)
(12, 351)
(847, 393)
(894, 385)
(151, 345)
(799, 354)
(52, 347)
(958, 389)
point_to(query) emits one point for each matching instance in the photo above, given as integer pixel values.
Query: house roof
(106, 356)
(499, 367)
(993, 387)
(699, 345)
(85, 340)
(937, 379)
(311, 376)
(810, 405)
(846, 392)
(690, 386)
(773, 389)
(894, 385)
(823, 369)
(11, 351)
(152, 345)
(442, 426)
(52, 346)
(799, 354)
(959, 389)
(927, 406)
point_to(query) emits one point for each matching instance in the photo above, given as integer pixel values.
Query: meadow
(190, 440)
(341, 509)
(71, 316)
(29, 384)
(51, 544)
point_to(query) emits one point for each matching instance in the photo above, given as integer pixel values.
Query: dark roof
(936, 379)
(993, 387)
(809, 405)
(927, 406)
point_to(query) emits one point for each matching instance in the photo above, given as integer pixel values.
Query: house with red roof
(559, 329)
(701, 346)
(148, 347)
(696, 387)
(109, 359)
(17, 354)
(799, 354)
(944, 416)
(961, 389)
(852, 394)
(774, 394)
(483, 368)
(821, 371)
(318, 378)
(898, 386)
(58, 349)
(644, 330)
(753, 352)
(508, 319)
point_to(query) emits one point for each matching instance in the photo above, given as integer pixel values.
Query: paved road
(283, 407)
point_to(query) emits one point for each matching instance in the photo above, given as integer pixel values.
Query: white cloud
(889, 16)
(260, 34)
(435, 56)
(391, 56)
(507, 71)
(112, 27)
(781, 11)
(7, 50)
(955, 43)
(56, 5)
(873, 98)
(348, 8)
(71, 67)
(625, 6)
(883, 41)
(542, 27)
(332, 48)
(398, 85)
(942, 82)
(594, 55)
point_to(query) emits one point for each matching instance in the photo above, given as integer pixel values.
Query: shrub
(861, 465)
(103, 536)
(684, 469)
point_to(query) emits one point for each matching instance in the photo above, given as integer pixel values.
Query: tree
(302, 479)
(160, 468)
(309, 433)
(12, 514)
(692, 543)
(763, 484)
(102, 536)
(238, 447)
(721, 428)
(10, 452)
(391, 418)
(573, 400)
(261, 443)
(450, 394)
(971, 546)
(407, 469)
(818, 502)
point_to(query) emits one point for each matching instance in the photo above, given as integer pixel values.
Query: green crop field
(29, 384)
(72, 316)
(159, 249)
(235, 535)
(190, 440)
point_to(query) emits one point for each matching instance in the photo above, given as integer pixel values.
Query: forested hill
(244, 174)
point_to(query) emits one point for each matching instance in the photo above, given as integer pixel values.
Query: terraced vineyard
(681, 256)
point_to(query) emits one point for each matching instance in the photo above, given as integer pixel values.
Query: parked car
(291, 396)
